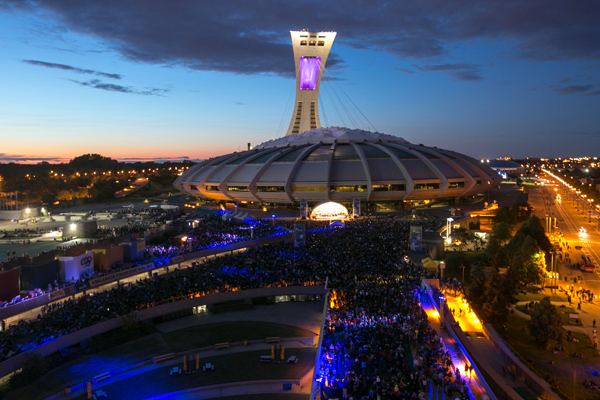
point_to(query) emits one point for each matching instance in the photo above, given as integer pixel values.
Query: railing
(316, 386)
(39, 301)
(13, 364)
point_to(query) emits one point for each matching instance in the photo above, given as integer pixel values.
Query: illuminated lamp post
(442, 311)
(273, 216)
(552, 253)
(449, 221)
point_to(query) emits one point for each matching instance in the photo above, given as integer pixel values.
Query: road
(570, 218)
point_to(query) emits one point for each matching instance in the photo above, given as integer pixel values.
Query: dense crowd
(212, 232)
(378, 342)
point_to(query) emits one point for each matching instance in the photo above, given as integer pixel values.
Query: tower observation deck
(315, 163)
(311, 50)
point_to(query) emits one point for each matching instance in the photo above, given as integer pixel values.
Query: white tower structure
(311, 50)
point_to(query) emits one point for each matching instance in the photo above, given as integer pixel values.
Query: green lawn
(150, 346)
(517, 337)
(563, 311)
(535, 294)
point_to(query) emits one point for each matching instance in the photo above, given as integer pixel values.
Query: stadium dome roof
(337, 164)
(503, 164)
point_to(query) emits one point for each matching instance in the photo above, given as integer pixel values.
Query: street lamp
(449, 221)
(273, 216)
(463, 268)
(442, 311)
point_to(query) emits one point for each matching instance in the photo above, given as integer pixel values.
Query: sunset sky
(194, 79)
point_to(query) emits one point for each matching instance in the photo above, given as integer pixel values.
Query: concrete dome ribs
(337, 164)
(316, 164)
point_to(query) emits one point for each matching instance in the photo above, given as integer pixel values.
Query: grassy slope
(518, 338)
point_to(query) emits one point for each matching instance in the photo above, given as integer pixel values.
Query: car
(578, 247)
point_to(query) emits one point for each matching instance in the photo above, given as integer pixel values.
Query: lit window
(426, 186)
(238, 189)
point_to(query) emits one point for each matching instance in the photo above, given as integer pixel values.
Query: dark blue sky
(163, 79)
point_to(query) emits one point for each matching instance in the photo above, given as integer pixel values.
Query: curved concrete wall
(28, 305)
(13, 364)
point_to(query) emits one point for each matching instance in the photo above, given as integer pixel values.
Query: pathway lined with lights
(474, 384)
(463, 314)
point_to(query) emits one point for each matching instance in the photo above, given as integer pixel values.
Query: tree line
(85, 176)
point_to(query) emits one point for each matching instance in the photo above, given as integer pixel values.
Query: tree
(506, 215)
(48, 198)
(546, 324)
(476, 293)
(454, 262)
(527, 266)
(106, 193)
(495, 253)
(522, 210)
(463, 236)
(495, 305)
(502, 232)
(93, 161)
(533, 227)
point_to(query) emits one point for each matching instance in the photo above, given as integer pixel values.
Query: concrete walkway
(147, 366)
(302, 314)
(475, 388)
(486, 351)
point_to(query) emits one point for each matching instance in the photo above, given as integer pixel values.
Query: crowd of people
(378, 342)
(213, 233)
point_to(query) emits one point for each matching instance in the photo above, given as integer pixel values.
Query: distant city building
(506, 167)
(316, 164)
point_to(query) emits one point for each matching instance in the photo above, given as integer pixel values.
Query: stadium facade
(316, 164)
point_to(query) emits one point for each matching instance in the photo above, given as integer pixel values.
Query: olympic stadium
(316, 164)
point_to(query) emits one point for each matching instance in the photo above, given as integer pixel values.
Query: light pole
(449, 221)
(551, 269)
(442, 311)
(463, 268)
(273, 216)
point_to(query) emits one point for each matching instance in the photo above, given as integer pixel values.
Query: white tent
(247, 216)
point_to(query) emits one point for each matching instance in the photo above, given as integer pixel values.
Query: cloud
(152, 159)
(592, 134)
(461, 71)
(405, 70)
(594, 93)
(573, 89)
(70, 68)
(98, 84)
(245, 37)
(19, 158)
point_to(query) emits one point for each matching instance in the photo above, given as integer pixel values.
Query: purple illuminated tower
(310, 55)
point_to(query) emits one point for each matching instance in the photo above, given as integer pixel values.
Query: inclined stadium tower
(316, 164)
